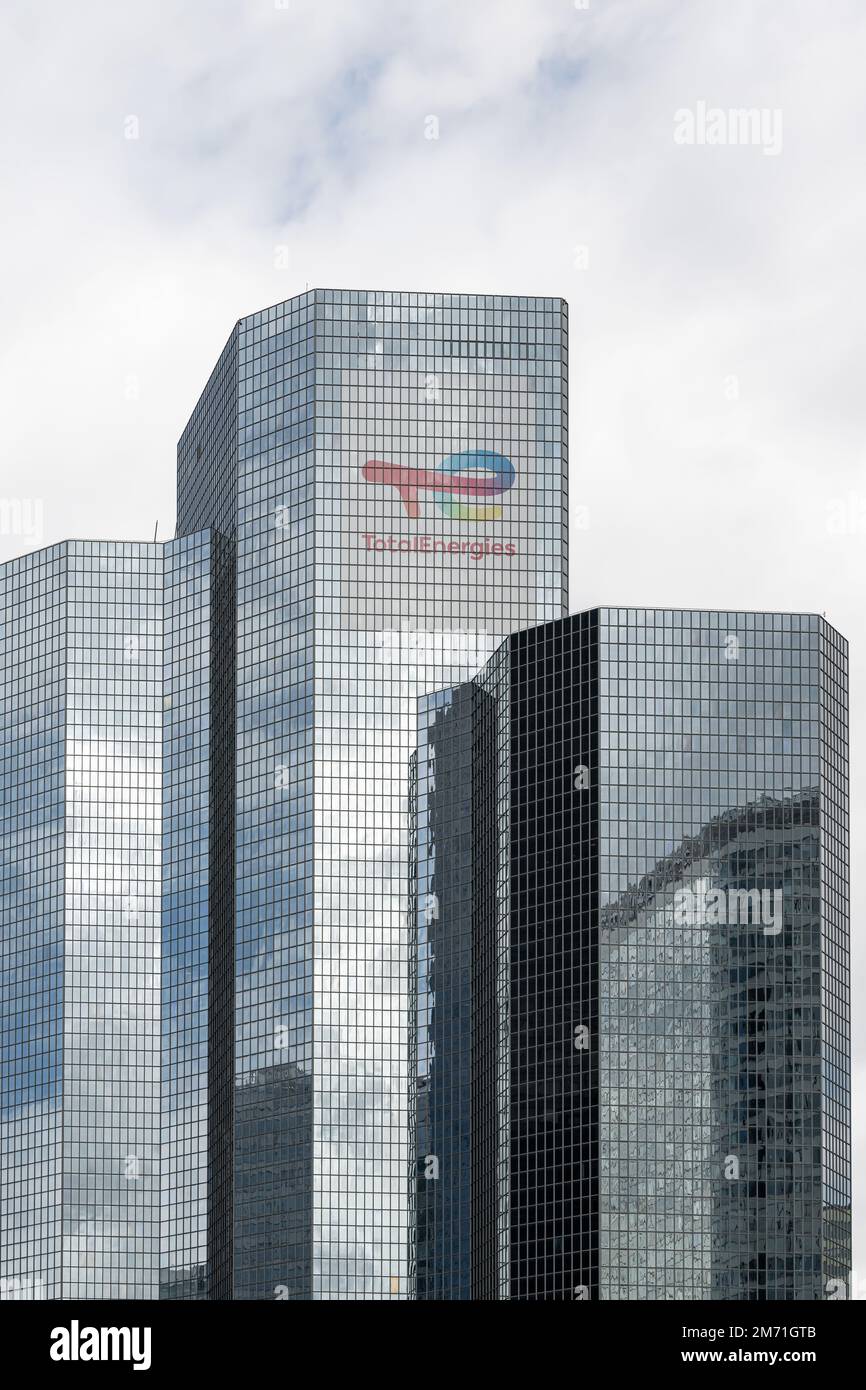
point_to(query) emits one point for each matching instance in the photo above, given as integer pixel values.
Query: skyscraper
(205, 993)
(89, 668)
(392, 471)
(595, 897)
(631, 1069)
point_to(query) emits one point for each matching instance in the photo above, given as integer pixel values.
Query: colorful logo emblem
(459, 483)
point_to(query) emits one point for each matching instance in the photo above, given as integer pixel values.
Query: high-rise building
(95, 716)
(391, 469)
(631, 1006)
(206, 751)
(602, 927)
(197, 901)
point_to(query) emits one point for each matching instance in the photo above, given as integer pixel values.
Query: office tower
(631, 1066)
(82, 650)
(391, 470)
(117, 704)
(197, 899)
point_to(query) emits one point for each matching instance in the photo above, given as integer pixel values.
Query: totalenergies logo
(458, 481)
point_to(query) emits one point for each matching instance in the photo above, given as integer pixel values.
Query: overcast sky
(716, 290)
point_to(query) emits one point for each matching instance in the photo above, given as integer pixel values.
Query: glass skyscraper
(83, 649)
(631, 1010)
(206, 974)
(359, 924)
(391, 468)
(197, 902)
(116, 713)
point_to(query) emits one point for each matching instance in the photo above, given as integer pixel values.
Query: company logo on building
(458, 484)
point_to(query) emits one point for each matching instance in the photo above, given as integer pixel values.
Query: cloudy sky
(716, 290)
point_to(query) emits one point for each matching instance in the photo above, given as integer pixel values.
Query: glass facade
(82, 711)
(370, 930)
(116, 658)
(197, 900)
(443, 889)
(33, 712)
(111, 937)
(654, 1092)
(393, 468)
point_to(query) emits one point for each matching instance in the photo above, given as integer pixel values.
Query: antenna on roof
(155, 530)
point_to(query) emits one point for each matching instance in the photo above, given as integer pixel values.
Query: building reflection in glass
(641, 1073)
